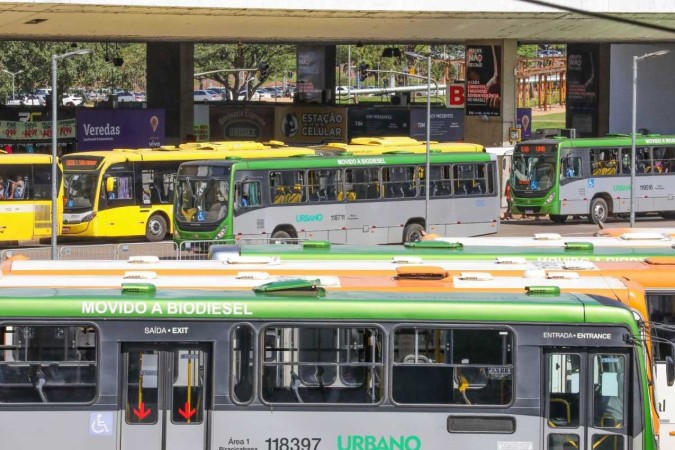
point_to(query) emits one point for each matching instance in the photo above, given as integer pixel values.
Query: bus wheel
(599, 211)
(558, 218)
(413, 232)
(281, 236)
(155, 229)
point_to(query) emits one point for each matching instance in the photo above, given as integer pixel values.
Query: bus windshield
(201, 200)
(533, 172)
(80, 190)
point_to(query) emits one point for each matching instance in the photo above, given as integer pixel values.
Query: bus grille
(481, 424)
(43, 218)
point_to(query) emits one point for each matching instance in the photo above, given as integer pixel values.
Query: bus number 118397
(294, 443)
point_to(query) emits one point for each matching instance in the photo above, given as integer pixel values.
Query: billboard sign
(105, 129)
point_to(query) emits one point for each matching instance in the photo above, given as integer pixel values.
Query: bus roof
(609, 140)
(393, 144)
(454, 251)
(352, 161)
(179, 304)
(628, 239)
(409, 279)
(25, 158)
(125, 155)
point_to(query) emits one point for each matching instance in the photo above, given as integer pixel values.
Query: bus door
(164, 396)
(586, 394)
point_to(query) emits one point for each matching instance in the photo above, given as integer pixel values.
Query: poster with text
(310, 125)
(582, 89)
(375, 122)
(106, 129)
(483, 80)
(447, 125)
(524, 116)
(236, 123)
(311, 68)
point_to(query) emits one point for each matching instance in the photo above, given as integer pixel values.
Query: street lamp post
(634, 127)
(13, 75)
(427, 172)
(55, 229)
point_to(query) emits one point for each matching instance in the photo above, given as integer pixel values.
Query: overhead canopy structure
(423, 21)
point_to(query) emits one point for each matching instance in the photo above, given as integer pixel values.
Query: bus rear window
(48, 364)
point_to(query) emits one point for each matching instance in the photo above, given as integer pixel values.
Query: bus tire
(283, 236)
(598, 211)
(155, 229)
(413, 232)
(555, 218)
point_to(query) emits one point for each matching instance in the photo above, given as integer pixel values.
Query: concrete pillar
(493, 131)
(170, 83)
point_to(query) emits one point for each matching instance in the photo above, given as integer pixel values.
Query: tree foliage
(91, 71)
(237, 66)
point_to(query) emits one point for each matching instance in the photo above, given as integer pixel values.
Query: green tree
(237, 66)
(91, 71)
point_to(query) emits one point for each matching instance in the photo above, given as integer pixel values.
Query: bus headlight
(89, 217)
(550, 198)
(221, 233)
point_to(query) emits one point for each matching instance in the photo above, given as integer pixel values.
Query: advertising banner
(35, 131)
(237, 123)
(374, 122)
(483, 81)
(310, 125)
(582, 89)
(105, 129)
(201, 123)
(446, 124)
(524, 116)
(311, 72)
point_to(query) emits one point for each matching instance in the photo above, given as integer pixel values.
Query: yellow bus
(129, 192)
(25, 197)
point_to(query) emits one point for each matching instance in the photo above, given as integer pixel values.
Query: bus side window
(571, 167)
(48, 364)
(452, 366)
(322, 364)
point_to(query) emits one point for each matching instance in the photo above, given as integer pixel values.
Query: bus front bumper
(73, 229)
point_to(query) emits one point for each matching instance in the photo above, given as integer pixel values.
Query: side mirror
(670, 370)
(110, 184)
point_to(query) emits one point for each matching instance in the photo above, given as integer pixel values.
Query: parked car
(123, 96)
(548, 53)
(206, 96)
(13, 101)
(71, 100)
(34, 100)
(139, 96)
(242, 95)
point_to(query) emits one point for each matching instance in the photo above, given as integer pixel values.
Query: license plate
(528, 211)
(66, 229)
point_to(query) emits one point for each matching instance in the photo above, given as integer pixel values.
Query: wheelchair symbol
(533, 184)
(100, 424)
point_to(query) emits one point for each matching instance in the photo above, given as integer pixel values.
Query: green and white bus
(591, 177)
(348, 199)
(279, 369)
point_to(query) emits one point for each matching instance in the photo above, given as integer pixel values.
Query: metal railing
(187, 250)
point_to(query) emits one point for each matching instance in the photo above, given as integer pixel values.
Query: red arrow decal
(142, 413)
(187, 412)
